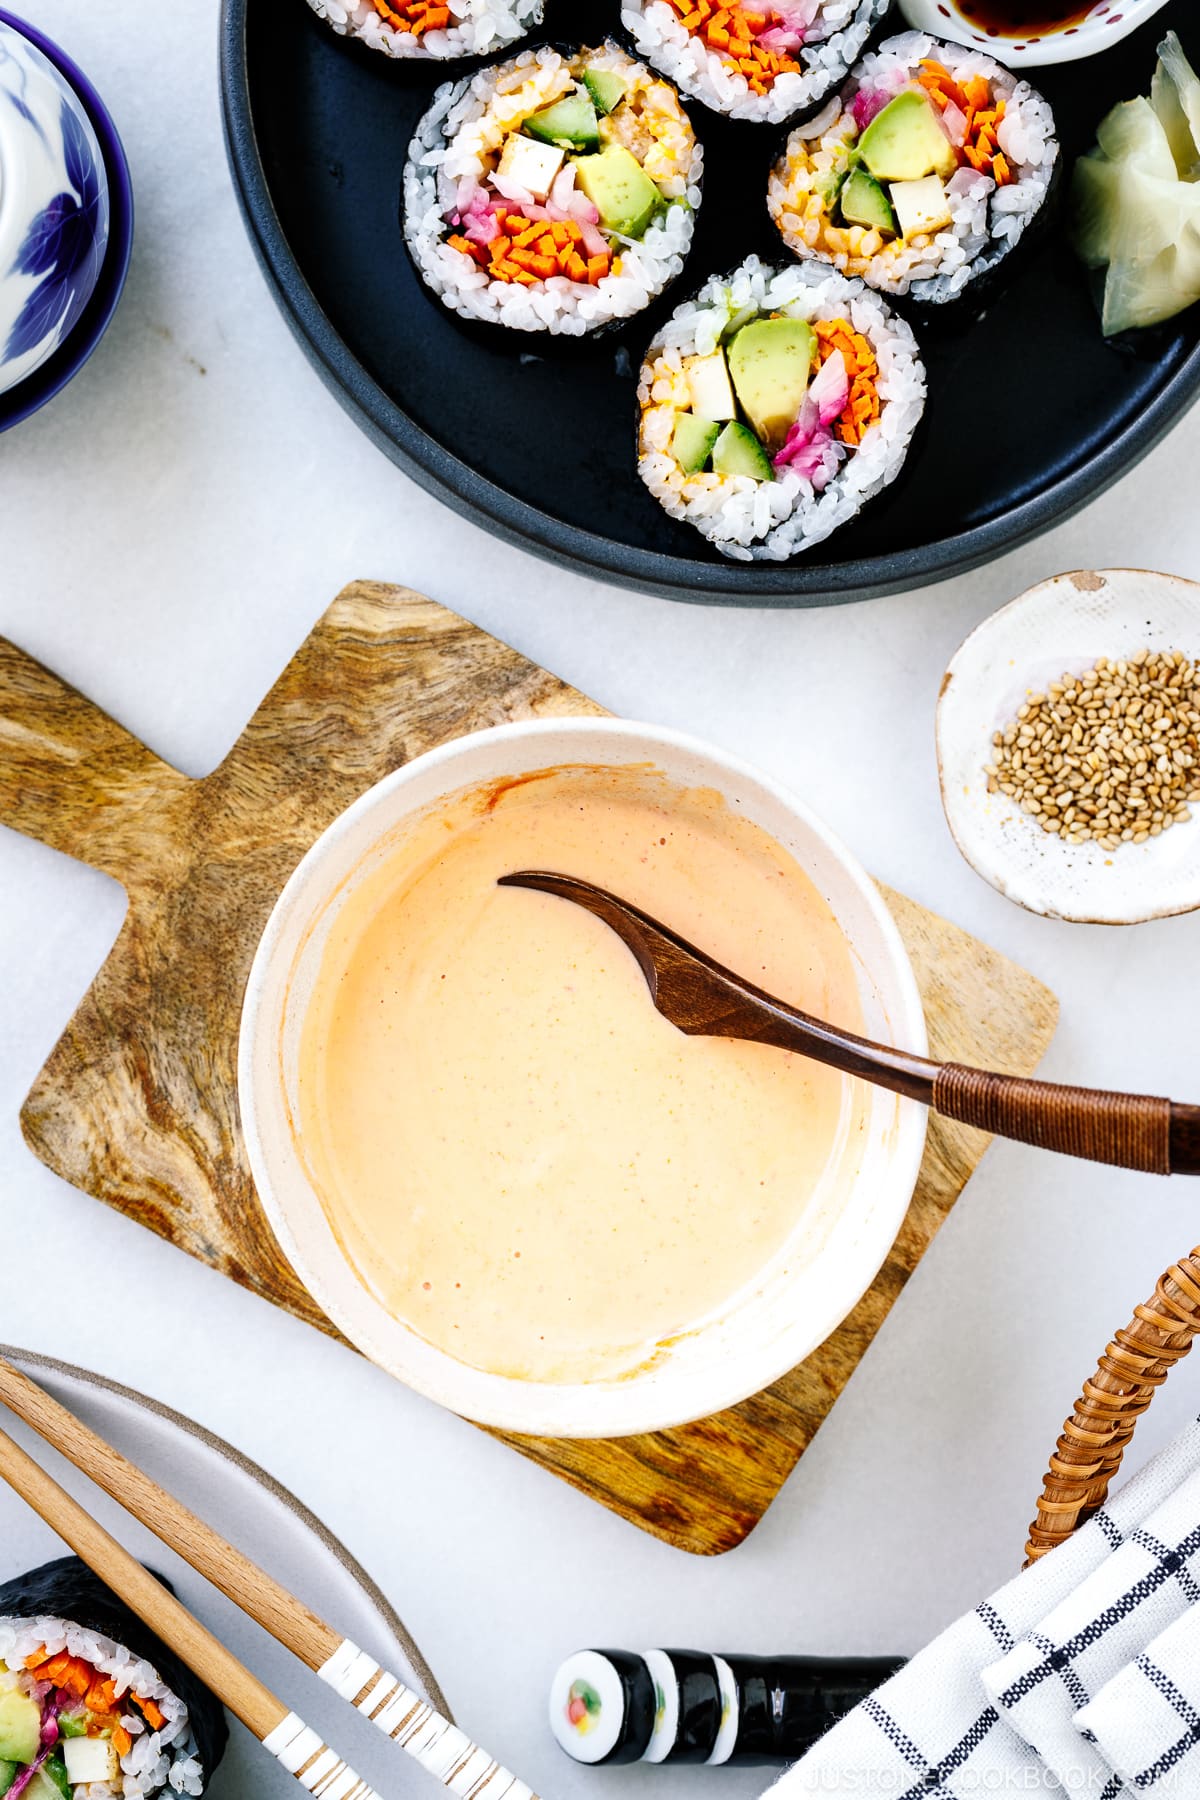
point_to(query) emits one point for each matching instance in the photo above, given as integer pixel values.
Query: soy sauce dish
(504, 1176)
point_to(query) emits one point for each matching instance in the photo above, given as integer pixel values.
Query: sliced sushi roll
(435, 29)
(556, 192)
(922, 175)
(91, 1703)
(761, 60)
(775, 405)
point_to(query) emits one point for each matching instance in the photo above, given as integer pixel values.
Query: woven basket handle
(1129, 1131)
(1132, 1369)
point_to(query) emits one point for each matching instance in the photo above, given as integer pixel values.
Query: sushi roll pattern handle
(440, 1748)
(687, 1706)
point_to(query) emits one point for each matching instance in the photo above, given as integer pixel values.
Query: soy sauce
(1024, 18)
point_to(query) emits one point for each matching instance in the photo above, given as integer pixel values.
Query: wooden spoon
(1131, 1131)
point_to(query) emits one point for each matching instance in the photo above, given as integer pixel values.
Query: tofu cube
(920, 206)
(710, 387)
(90, 1759)
(531, 165)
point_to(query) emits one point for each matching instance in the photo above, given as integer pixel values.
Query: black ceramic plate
(1030, 412)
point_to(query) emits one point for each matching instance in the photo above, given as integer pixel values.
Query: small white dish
(1108, 22)
(54, 208)
(1063, 624)
(761, 1333)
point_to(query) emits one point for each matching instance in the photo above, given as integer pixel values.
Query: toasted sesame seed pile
(1107, 757)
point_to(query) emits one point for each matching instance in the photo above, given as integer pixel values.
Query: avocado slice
(620, 190)
(606, 87)
(20, 1726)
(905, 141)
(692, 441)
(50, 1782)
(831, 185)
(771, 363)
(570, 122)
(8, 1774)
(738, 452)
(864, 202)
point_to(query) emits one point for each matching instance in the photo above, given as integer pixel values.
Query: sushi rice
(451, 189)
(807, 48)
(800, 505)
(161, 1757)
(438, 31)
(990, 207)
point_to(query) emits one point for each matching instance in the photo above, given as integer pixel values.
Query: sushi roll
(436, 30)
(554, 193)
(761, 60)
(775, 405)
(922, 175)
(91, 1703)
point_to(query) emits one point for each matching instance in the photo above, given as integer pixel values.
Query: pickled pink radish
(809, 448)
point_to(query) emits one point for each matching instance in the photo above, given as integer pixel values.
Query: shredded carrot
(734, 31)
(973, 99)
(413, 17)
(862, 408)
(101, 1695)
(97, 1692)
(69, 1672)
(528, 251)
(150, 1712)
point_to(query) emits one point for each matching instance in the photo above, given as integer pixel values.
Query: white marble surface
(169, 530)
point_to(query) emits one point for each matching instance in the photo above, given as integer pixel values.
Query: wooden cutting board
(138, 1102)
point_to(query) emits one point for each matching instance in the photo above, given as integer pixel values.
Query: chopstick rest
(302, 1752)
(442, 1749)
(689, 1706)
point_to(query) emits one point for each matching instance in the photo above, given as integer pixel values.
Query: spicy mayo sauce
(522, 1159)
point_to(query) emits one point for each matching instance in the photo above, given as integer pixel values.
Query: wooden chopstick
(275, 1726)
(440, 1747)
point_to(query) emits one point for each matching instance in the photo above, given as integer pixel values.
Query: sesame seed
(1107, 756)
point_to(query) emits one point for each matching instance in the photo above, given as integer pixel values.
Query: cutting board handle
(71, 776)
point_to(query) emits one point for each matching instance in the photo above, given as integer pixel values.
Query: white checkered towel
(1082, 1675)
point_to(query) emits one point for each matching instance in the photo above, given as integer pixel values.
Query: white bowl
(762, 1334)
(1062, 624)
(54, 210)
(1106, 25)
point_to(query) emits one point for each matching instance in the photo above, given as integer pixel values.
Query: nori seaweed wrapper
(67, 1589)
(699, 1707)
(637, 1724)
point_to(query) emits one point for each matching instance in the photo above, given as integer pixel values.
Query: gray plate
(261, 1518)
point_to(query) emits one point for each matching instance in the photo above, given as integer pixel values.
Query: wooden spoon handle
(1129, 1131)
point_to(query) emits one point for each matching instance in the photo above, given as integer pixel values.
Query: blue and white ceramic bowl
(54, 208)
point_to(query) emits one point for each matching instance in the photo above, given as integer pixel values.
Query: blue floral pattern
(64, 246)
(18, 100)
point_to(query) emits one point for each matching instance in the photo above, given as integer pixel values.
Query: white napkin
(1146, 1720)
(1082, 1674)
